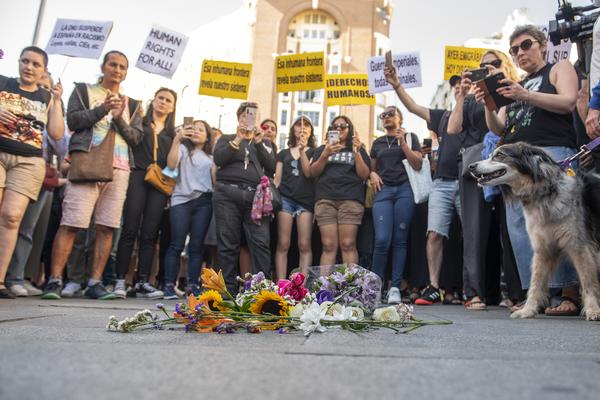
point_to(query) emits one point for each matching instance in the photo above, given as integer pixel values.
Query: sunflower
(212, 299)
(268, 302)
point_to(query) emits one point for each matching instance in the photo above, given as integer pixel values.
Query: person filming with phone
(242, 160)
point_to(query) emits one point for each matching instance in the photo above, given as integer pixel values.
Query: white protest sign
(79, 38)
(556, 53)
(408, 68)
(162, 51)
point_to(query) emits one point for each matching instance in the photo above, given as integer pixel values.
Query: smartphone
(333, 137)
(388, 60)
(478, 74)
(188, 122)
(248, 118)
(427, 142)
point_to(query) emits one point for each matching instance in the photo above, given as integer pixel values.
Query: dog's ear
(535, 162)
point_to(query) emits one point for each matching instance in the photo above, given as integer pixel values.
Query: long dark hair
(350, 130)
(292, 141)
(170, 121)
(207, 148)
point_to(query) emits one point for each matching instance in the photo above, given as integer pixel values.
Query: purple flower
(178, 308)
(282, 330)
(224, 328)
(160, 306)
(324, 295)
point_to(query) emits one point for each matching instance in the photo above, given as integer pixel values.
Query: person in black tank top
(541, 115)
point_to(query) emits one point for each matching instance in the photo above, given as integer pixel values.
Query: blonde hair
(508, 67)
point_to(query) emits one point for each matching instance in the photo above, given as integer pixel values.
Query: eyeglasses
(340, 126)
(387, 114)
(495, 63)
(524, 45)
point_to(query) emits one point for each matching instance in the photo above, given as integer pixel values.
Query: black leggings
(142, 214)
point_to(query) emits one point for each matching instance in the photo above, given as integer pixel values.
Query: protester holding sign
(541, 115)
(144, 205)
(393, 205)
(25, 111)
(243, 160)
(341, 168)
(99, 115)
(292, 177)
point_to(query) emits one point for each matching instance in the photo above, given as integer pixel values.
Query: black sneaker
(52, 291)
(145, 290)
(6, 293)
(429, 296)
(99, 292)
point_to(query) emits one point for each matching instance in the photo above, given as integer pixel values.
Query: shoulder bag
(155, 176)
(420, 181)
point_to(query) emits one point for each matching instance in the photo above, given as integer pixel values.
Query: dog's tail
(591, 201)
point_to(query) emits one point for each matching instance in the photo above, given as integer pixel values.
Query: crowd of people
(80, 211)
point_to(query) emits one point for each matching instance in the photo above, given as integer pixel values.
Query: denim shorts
(291, 207)
(443, 200)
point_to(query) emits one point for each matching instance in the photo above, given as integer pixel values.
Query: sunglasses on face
(524, 45)
(340, 126)
(495, 64)
(268, 128)
(387, 114)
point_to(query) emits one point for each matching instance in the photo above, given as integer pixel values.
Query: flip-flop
(476, 305)
(552, 312)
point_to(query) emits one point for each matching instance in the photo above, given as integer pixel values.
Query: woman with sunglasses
(341, 169)
(292, 177)
(393, 205)
(541, 115)
(269, 128)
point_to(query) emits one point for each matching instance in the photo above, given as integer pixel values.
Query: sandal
(475, 305)
(456, 299)
(554, 312)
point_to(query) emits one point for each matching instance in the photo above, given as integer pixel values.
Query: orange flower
(212, 280)
(192, 303)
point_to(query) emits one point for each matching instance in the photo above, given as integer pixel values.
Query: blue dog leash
(583, 151)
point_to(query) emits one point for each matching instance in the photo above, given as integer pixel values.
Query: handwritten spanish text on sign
(408, 69)
(296, 72)
(458, 58)
(79, 38)
(347, 90)
(225, 79)
(162, 51)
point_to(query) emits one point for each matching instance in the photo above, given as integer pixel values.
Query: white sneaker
(32, 290)
(19, 290)
(120, 290)
(147, 291)
(71, 289)
(393, 296)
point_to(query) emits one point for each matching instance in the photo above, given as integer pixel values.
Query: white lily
(311, 319)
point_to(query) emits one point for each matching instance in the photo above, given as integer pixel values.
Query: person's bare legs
(304, 225)
(348, 243)
(285, 222)
(61, 250)
(12, 210)
(245, 261)
(434, 249)
(329, 242)
(102, 248)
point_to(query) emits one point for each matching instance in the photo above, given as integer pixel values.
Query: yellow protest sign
(348, 89)
(296, 72)
(458, 58)
(225, 79)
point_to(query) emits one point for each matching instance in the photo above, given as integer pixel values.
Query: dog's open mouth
(483, 178)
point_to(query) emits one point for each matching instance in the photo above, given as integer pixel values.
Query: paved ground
(60, 350)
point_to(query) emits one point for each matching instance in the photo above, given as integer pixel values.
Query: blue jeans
(191, 218)
(393, 208)
(564, 275)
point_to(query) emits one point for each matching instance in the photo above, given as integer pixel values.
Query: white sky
(425, 26)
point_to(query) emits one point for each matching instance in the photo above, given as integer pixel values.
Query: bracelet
(233, 145)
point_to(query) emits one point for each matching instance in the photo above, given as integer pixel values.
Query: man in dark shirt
(241, 160)
(444, 198)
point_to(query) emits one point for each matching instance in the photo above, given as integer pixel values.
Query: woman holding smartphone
(292, 177)
(340, 168)
(242, 159)
(393, 205)
(191, 204)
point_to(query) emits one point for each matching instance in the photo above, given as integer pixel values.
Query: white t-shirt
(194, 176)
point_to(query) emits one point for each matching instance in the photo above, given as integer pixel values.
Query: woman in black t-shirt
(393, 205)
(541, 115)
(341, 169)
(292, 177)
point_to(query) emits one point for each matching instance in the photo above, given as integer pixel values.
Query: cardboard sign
(556, 53)
(458, 58)
(296, 72)
(408, 68)
(162, 51)
(225, 79)
(347, 90)
(79, 38)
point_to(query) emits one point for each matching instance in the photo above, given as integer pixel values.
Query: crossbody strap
(155, 140)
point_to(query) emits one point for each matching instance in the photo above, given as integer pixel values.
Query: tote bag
(420, 181)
